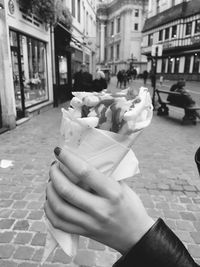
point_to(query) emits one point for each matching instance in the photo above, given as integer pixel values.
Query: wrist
(143, 227)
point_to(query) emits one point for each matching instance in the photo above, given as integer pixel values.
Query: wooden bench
(163, 110)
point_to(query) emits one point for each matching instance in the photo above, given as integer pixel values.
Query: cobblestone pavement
(168, 185)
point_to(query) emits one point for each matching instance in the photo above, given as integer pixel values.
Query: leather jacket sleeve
(159, 247)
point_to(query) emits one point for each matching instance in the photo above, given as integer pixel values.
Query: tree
(49, 11)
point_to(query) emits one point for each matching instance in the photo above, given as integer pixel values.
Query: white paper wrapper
(111, 153)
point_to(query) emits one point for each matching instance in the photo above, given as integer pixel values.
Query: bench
(163, 110)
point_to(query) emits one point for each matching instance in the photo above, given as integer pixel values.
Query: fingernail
(53, 162)
(57, 151)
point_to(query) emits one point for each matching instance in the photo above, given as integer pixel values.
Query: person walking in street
(83, 80)
(119, 78)
(145, 75)
(111, 213)
(100, 82)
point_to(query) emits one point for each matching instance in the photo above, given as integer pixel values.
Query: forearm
(158, 247)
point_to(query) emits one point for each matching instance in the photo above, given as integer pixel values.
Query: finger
(72, 193)
(103, 185)
(68, 173)
(66, 211)
(57, 222)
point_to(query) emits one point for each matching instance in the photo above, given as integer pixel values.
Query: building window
(188, 28)
(79, 10)
(158, 6)
(86, 22)
(197, 26)
(160, 37)
(173, 2)
(136, 26)
(170, 65)
(166, 33)
(73, 8)
(136, 12)
(105, 53)
(118, 25)
(150, 39)
(176, 67)
(187, 63)
(111, 52)
(112, 27)
(196, 63)
(117, 51)
(174, 31)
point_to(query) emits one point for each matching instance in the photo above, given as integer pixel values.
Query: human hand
(110, 212)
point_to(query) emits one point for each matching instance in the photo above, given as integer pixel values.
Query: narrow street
(168, 184)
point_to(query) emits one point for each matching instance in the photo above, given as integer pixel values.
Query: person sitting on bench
(184, 99)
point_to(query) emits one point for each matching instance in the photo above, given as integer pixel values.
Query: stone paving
(169, 186)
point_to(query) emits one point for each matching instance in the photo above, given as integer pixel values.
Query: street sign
(157, 50)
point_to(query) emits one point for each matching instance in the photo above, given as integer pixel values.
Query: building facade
(171, 38)
(83, 32)
(119, 36)
(26, 72)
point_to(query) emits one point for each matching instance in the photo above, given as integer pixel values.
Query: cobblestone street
(169, 186)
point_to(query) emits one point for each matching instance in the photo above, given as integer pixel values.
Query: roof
(181, 10)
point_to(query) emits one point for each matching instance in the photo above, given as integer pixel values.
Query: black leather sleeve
(159, 247)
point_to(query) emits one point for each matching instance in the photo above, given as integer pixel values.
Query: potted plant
(49, 11)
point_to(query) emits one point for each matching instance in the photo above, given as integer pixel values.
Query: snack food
(102, 129)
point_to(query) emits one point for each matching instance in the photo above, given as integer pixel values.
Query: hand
(110, 212)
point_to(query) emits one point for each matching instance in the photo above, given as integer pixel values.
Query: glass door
(17, 75)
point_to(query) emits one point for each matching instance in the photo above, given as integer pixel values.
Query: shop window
(197, 26)
(174, 31)
(170, 65)
(29, 68)
(150, 39)
(176, 66)
(187, 63)
(164, 62)
(196, 63)
(166, 33)
(160, 36)
(33, 64)
(188, 28)
(136, 26)
(136, 12)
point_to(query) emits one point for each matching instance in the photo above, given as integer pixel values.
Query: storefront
(29, 66)
(26, 68)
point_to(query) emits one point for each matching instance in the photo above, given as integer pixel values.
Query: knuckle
(85, 171)
(67, 193)
(117, 197)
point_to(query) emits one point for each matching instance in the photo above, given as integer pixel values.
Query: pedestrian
(161, 80)
(111, 213)
(83, 80)
(119, 78)
(100, 82)
(183, 99)
(145, 75)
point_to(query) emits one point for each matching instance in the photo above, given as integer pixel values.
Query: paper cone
(109, 152)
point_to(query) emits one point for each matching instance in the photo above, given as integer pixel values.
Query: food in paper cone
(102, 128)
